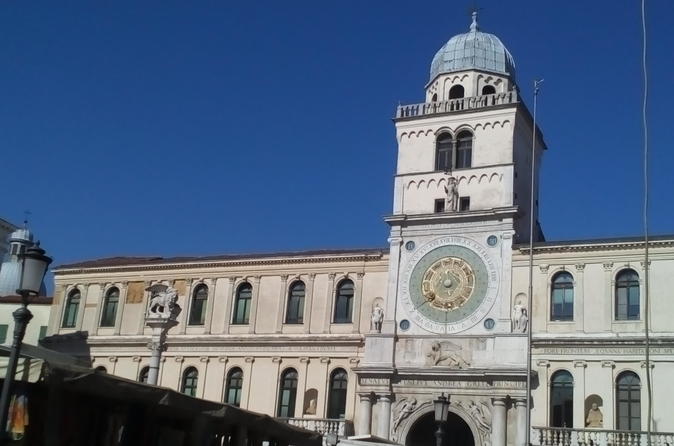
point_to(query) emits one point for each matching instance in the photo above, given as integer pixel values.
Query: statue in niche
(377, 318)
(163, 302)
(594, 417)
(452, 198)
(520, 319)
(310, 397)
(436, 356)
(405, 409)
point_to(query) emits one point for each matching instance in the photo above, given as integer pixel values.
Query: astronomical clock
(449, 284)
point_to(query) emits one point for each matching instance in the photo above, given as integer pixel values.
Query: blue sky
(163, 128)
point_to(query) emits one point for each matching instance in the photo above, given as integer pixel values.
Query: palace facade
(360, 342)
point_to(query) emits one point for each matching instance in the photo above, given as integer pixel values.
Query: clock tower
(461, 200)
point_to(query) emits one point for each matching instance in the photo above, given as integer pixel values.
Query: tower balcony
(456, 105)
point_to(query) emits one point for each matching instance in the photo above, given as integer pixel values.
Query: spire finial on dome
(473, 25)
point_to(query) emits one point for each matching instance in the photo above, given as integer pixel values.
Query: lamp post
(441, 406)
(34, 265)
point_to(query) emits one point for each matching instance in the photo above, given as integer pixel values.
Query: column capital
(385, 397)
(544, 268)
(580, 267)
(499, 401)
(519, 402)
(608, 266)
(365, 396)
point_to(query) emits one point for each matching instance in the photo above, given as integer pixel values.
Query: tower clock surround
(449, 285)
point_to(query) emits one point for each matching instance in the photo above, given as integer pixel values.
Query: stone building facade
(362, 341)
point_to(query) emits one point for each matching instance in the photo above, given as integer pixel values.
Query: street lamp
(441, 406)
(34, 265)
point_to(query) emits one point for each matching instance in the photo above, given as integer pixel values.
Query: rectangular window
(3, 333)
(464, 203)
(439, 205)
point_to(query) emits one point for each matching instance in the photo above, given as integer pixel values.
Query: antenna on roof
(26, 213)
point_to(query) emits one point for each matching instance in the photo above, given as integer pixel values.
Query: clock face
(449, 285)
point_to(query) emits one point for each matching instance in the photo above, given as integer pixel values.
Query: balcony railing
(557, 436)
(455, 105)
(324, 426)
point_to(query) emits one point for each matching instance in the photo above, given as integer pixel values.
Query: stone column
(329, 303)
(281, 310)
(521, 410)
(253, 304)
(157, 345)
(357, 303)
(608, 297)
(498, 422)
(309, 299)
(384, 423)
(578, 298)
(579, 394)
(229, 296)
(208, 320)
(123, 290)
(364, 414)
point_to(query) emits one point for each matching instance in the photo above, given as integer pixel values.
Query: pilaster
(357, 307)
(252, 322)
(282, 303)
(309, 300)
(329, 303)
(208, 320)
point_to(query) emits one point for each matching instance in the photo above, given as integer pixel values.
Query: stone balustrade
(323, 426)
(556, 436)
(456, 105)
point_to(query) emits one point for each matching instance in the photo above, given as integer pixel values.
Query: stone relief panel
(445, 354)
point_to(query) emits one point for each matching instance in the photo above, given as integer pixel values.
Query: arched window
(434, 98)
(144, 375)
(295, 311)
(287, 394)
(456, 92)
(233, 387)
(101, 369)
(72, 305)
(443, 152)
(562, 297)
(628, 402)
(337, 394)
(561, 399)
(344, 302)
(244, 295)
(189, 384)
(488, 89)
(110, 307)
(627, 295)
(464, 149)
(198, 307)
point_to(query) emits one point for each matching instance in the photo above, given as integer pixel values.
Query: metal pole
(530, 299)
(440, 433)
(22, 316)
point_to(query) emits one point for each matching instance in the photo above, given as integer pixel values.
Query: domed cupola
(473, 50)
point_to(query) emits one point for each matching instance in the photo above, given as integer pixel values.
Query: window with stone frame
(337, 394)
(628, 402)
(295, 308)
(233, 387)
(627, 296)
(189, 382)
(110, 304)
(464, 150)
(344, 302)
(561, 297)
(71, 308)
(561, 399)
(198, 305)
(242, 301)
(287, 394)
(443, 152)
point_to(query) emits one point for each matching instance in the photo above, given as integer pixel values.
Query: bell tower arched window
(488, 89)
(627, 295)
(464, 149)
(561, 304)
(443, 152)
(456, 92)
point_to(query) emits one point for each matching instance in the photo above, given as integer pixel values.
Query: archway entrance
(422, 433)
